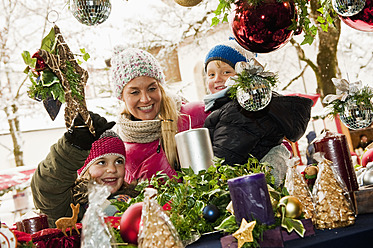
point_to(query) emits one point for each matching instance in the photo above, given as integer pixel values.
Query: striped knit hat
(109, 143)
(131, 63)
(229, 52)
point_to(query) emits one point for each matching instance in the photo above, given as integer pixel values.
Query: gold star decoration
(245, 233)
(57, 63)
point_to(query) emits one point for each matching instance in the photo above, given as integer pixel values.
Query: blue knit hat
(229, 52)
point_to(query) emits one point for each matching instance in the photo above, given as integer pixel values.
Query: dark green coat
(53, 179)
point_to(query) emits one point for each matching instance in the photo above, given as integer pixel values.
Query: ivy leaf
(292, 224)
(48, 41)
(31, 62)
(48, 78)
(320, 19)
(324, 27)
(86, 56)
(228, 225)
(215, 21)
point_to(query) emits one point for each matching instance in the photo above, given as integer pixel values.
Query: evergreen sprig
(189, 193)
(361, 98)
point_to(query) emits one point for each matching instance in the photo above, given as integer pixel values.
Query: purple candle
(335, 147)
(250, 198)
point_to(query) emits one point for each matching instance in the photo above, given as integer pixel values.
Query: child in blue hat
(236, 133)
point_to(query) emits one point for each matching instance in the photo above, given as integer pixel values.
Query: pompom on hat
(109, 143)
(131, 63)
(229, 52)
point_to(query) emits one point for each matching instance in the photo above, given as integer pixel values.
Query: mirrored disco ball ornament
(348, 7)
(356, 116)
(255, 97)
(90, 12)
(363, 20)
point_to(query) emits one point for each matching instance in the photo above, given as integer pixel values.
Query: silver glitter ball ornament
(255, 97)
(356, 116)
(348, 7)
(368, 177)
(90, 12)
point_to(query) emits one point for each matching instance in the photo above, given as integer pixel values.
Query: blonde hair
(169, 116)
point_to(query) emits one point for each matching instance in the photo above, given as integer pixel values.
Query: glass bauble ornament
(363, 20)
(348, 7)
(130, 223)
(292, 205)
(90, 12)
(211, 213)
(264, 27)
(356, 116)
(255, 97)
(368, 177)
(188, 3)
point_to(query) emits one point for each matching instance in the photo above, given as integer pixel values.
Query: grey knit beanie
(131, 63)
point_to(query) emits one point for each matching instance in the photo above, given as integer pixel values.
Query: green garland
(362, 98)
(247, 80)
(189, 197)
(301, 21)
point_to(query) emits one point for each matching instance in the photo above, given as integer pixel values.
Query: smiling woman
(151, 116)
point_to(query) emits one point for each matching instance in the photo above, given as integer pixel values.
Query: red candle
(335, 148)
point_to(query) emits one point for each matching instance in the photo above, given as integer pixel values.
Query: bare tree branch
(295, 78)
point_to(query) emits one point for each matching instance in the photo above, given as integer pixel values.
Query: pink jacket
(145, 160)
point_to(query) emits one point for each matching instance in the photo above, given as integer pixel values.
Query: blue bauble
(211, 213)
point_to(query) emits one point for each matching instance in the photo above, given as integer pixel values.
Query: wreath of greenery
(246, 80)
(361, 98)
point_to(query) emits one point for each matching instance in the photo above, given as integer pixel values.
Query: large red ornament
(263, 28)
(363, 20)
(130, 223)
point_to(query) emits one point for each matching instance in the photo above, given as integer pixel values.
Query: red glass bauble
(363, 20)
(367, 157)
(130, 223)
(262, 28)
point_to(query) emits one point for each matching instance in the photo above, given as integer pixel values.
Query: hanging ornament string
(53, 16)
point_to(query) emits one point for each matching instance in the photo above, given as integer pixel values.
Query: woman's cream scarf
(138, 131)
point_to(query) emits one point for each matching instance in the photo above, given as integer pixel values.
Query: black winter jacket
(236, 133)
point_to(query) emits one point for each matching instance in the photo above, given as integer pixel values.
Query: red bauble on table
(262, 28)
(367, 157)
(130, 223)
(363, 20)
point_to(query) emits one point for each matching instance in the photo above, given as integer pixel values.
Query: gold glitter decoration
(332, 208)
(297, 186)
(245, 233)
(157, 229)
